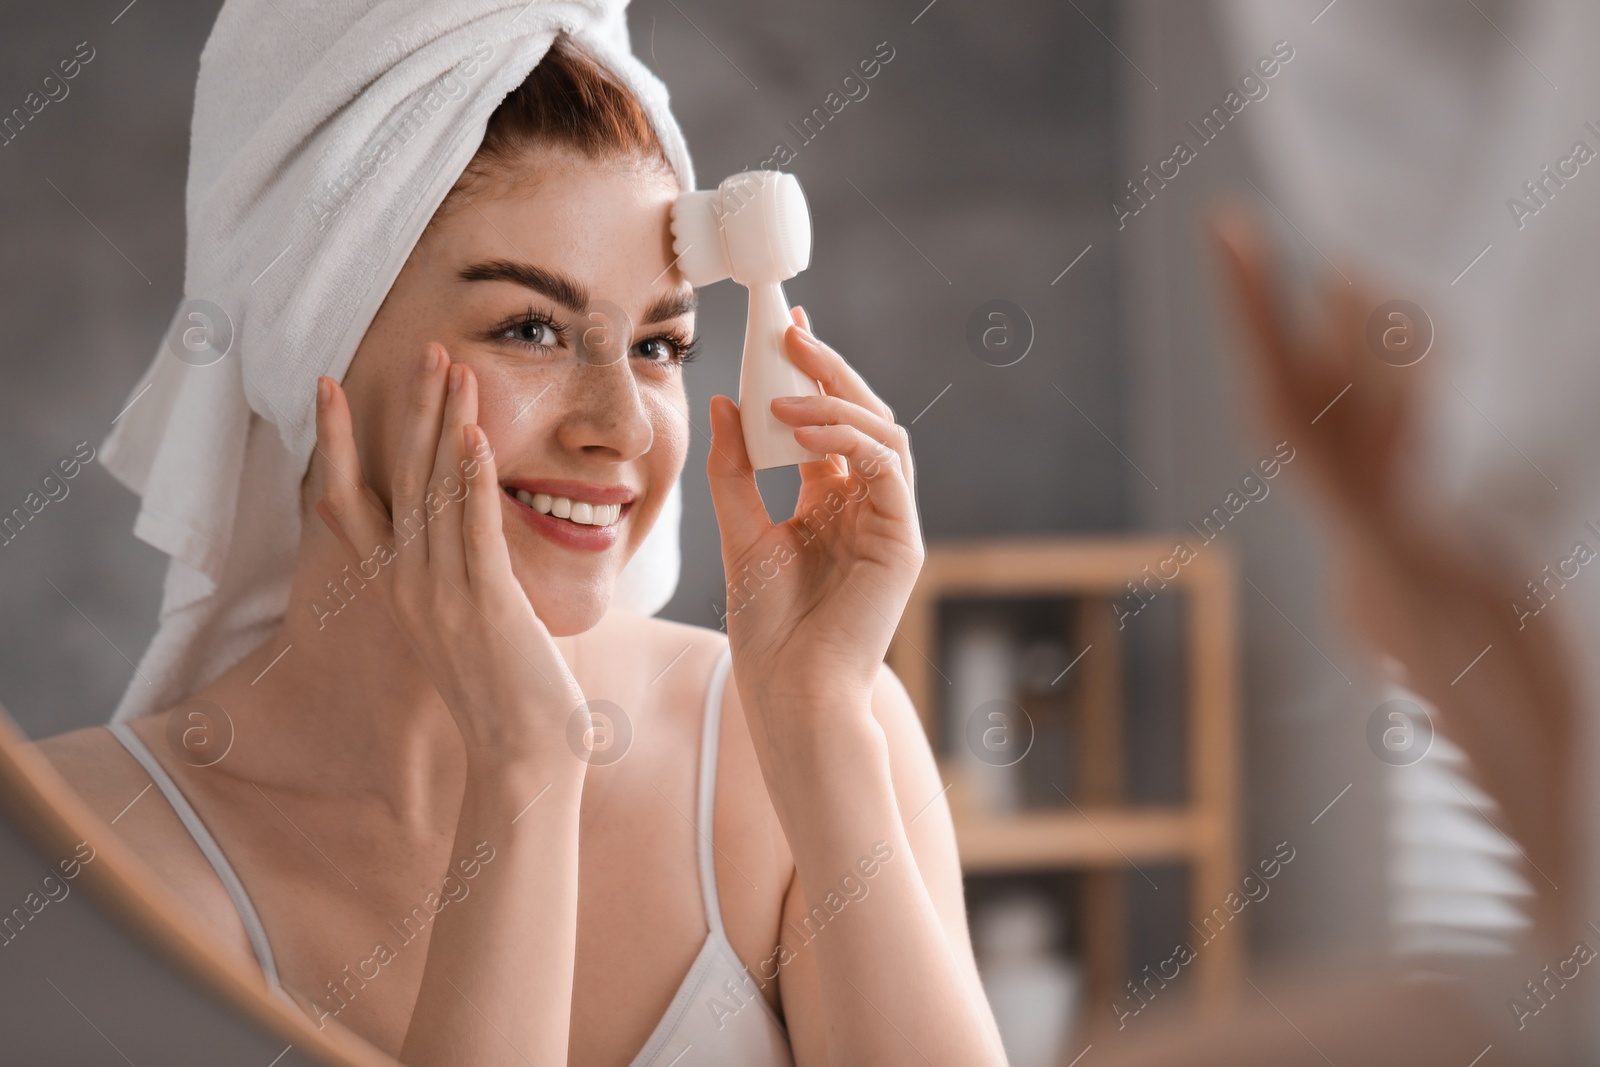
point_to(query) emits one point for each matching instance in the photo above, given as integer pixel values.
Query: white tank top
(717, 1017)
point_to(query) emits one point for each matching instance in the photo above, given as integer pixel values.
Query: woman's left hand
(814, 600)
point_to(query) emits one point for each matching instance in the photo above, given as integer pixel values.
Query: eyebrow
(669, 306)
(568, 291)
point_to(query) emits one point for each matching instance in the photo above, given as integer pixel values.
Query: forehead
(605, 222)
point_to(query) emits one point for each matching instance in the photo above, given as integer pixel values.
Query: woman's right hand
(445, 571)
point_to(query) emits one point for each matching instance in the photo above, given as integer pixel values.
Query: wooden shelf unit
(1104, 835)
(1095, 838)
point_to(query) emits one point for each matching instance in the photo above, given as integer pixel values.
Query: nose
(605, 411)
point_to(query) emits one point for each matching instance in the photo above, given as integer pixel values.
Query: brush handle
(766, 374)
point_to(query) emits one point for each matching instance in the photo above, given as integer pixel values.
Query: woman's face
(558, 291)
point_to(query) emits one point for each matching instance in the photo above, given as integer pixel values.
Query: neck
(335, 700)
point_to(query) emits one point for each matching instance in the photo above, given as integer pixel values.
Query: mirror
(1236, 694)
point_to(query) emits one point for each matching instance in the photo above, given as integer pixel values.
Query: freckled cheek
(669, 419)
(504, 394)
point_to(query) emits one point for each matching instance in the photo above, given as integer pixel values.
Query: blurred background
(1008, 246)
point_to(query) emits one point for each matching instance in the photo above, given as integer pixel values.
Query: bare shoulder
(663, 644)
(670, 660)
(97, 767)
(119, 791)
(657, 636)
(666, 648)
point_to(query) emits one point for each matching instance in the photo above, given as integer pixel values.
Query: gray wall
(93, 267)
(988, 149)
(1193, 429)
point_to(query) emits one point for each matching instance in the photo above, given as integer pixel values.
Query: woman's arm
(900, 900)
(497, 985)
(812, 605)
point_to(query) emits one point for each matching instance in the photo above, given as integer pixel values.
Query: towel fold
(325, 135)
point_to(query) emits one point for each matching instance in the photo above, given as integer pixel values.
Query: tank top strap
(207, 844)
(706, 802)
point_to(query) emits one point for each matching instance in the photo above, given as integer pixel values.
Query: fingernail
(324, 392)
(787, 401)
(430, 359)
(455, 378)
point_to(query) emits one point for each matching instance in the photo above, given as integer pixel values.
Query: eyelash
(684, 349)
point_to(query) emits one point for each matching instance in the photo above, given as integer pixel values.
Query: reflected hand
(814, 600)
(1329, 394)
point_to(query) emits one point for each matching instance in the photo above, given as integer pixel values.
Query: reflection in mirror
(1178, 657)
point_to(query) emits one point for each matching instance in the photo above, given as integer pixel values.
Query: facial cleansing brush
(755, 229)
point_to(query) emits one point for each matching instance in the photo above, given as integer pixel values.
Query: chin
(567, 604)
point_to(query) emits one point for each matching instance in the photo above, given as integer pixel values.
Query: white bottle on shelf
(1035, 993)
(984, 727)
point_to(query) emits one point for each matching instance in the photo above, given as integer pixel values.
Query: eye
(536, 331)
(668, 348)
(529, 329)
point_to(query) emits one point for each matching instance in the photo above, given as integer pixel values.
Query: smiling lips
(582, 512)
(573, 514)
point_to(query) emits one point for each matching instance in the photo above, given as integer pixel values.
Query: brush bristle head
(697, 239)
(765, 226)
(754, 227)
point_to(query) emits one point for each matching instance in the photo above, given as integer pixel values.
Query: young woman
(408, 832)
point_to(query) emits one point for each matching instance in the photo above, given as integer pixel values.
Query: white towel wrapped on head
(325, 135)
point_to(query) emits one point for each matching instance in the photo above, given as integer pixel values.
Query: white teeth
(578, 511)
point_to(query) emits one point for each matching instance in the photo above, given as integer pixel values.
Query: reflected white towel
(1459, 885)
(325, 134)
